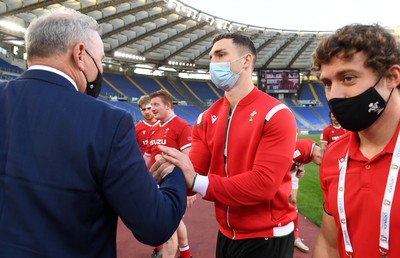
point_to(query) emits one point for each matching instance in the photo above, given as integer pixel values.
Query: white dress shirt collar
(53, 70)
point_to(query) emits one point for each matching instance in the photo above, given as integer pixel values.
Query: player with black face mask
(359, 171)
(359, 112)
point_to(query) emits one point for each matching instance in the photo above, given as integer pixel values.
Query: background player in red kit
(171, 131)
(148, 121)
(306, 151)
(332, 132)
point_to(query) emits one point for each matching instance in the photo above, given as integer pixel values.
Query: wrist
(193, 181)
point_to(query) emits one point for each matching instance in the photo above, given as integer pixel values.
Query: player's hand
(190, 200)
(300, 173)
(180, 160)
(161, 168)
(292, 200)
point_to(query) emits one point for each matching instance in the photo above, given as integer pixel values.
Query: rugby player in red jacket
(242, 151)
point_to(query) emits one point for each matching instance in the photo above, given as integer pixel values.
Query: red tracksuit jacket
(247, 158)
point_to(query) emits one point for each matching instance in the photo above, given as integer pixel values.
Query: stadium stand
(167, 86)
(187, 94)
(8, 71)
(204, 91)
(191, 97)
(148, 84)
(320, 92)
(123, 84)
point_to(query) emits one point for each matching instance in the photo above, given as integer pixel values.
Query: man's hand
(180, 160)
(292, 200)
(190, 200)
(161, 168)
(300, 171)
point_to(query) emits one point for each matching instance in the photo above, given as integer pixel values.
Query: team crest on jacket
(252, 116)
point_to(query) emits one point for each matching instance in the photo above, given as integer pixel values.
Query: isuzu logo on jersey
(158, 142)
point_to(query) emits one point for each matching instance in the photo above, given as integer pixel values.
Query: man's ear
(393, 78)
(248, 60)
(78, 53)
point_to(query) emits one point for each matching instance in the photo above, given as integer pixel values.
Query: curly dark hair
(377, 43)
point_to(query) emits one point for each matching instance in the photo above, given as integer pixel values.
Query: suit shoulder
(102, 110)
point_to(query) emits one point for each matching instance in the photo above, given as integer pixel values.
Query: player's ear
(393, 78)
(248, 60)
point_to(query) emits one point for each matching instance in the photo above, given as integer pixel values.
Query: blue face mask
(222, 76)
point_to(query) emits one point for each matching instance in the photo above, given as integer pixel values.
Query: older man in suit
(70, 164)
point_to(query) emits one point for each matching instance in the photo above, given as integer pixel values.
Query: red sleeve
(324, 135)
(303, 152)
(199, 153)
(185, 137)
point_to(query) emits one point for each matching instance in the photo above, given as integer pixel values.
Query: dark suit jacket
(69, 166)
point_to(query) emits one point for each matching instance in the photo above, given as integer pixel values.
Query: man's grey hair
(55, 32)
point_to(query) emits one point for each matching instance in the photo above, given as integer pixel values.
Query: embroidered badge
(252, 116)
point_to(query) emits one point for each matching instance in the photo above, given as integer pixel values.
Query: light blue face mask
(222, 76)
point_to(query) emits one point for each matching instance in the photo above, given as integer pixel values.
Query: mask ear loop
(241, 70)
(389, 96)
(380, 78)
(376, 83)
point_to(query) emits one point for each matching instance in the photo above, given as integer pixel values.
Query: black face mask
(93, 88)
(359, 112)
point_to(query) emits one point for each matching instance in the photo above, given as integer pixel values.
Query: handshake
(166, 162)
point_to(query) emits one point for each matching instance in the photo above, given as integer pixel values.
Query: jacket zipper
(228, 123)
